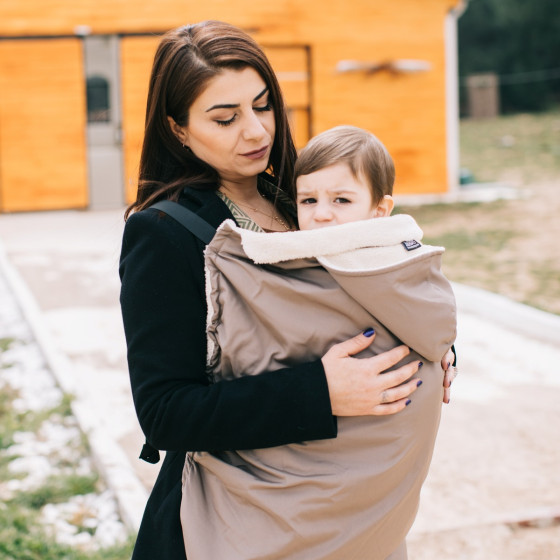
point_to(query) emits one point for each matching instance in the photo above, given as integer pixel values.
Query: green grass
(21, 534)
(58, 489)
(5, 343)
(463, 240)
(22, 537)
(431, 214)
(526, 143)
(486, 243)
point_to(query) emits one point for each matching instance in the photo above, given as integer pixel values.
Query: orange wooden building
(74, 74)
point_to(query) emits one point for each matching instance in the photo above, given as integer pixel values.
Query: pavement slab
(493, 490)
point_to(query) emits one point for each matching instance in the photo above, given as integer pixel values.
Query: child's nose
(323, 213)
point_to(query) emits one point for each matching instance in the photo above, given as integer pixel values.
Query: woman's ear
(177, 130)
(384, 207)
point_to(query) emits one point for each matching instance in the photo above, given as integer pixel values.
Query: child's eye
(228, 122)
(264, 108)
(342, 200)
(308, 201)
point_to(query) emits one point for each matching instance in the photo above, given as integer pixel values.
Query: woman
(215, 122)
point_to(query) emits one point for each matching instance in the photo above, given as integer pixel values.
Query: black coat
(164, 311)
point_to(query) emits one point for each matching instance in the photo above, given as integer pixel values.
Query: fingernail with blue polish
(369, 332)
(408, 402)
(419, 383)
(420, 364)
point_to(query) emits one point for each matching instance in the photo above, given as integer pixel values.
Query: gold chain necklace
(277, 219)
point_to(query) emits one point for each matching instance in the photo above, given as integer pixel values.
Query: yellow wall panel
(291, 66)
(137, 54)
(42, 125)
(407, 111)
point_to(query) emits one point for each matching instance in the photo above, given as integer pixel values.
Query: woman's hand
(450, 373)
(356, 386)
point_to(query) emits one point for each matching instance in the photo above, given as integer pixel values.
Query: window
(98, 107)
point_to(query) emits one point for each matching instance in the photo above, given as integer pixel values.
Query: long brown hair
(186, 59)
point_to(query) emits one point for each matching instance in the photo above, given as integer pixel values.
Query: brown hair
(186, 59)
(363, 152)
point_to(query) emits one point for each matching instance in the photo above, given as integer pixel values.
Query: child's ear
(384, 207)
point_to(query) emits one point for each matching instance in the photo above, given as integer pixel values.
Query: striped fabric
(242, 219)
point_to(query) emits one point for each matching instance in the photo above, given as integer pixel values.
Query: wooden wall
(137, 54)
(305, 41)
(42, 125)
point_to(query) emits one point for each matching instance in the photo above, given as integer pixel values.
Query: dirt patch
(510, 247)
(494, 542)
(494, 456)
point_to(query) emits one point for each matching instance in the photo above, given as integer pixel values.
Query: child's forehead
(337, 175)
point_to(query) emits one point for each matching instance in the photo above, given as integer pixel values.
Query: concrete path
(496, 466)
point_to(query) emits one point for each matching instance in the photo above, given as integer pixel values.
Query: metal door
(104, 134)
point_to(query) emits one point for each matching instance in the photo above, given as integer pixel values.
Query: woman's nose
(254, 128)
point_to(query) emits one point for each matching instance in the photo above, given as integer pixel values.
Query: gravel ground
(56, 448)
(493, 491)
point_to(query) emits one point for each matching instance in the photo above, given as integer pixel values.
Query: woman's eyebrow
(235, 105)
(265, 90)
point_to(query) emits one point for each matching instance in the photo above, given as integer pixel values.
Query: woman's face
(231, 125)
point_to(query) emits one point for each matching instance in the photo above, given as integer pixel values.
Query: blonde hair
(363, 152)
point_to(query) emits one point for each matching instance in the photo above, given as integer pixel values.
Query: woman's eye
(264, 108)
(228, 122)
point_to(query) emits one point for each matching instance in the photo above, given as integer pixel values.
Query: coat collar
(207, 204)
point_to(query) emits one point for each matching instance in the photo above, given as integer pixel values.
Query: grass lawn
(53, 472)
(520, 148)
(507, 246)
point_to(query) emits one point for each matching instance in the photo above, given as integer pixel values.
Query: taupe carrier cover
(278, 299)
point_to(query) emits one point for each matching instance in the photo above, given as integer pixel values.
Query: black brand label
(411, 245)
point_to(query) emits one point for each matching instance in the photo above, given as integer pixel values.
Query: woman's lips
(256, 154)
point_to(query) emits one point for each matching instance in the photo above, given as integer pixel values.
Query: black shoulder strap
(205, 232)
(187, 218)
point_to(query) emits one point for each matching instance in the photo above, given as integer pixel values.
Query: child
(343, 175)
(275, 299)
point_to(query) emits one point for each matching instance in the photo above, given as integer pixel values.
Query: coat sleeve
(164, 313)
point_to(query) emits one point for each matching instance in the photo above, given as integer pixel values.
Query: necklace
(274, 217)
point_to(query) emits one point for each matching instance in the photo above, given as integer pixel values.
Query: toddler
(343, 175)
(279, 299)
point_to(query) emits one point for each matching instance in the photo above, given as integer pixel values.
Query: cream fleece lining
(355, 246)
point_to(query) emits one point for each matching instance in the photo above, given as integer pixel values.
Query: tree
(518, 40)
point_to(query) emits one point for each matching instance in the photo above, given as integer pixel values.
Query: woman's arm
(164, 314)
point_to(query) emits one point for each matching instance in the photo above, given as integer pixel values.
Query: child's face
(334, 196)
